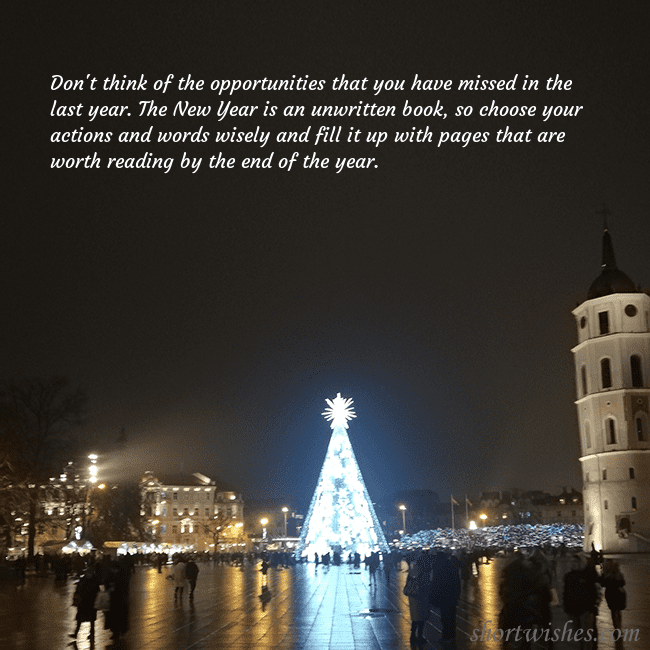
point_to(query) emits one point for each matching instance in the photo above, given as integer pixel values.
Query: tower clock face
(630, 310)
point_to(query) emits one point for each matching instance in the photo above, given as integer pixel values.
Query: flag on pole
(454, 501)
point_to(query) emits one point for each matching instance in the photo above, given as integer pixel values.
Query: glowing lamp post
(92, 471)
(403, 509)
(483, 517)
(264, 522)
(285, 510)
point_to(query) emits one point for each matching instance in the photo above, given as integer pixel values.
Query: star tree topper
(340, 410)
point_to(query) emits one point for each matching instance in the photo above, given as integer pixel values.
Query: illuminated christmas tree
(341, 517)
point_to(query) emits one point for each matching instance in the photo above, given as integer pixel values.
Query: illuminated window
(611, 431)
(163, 529)
(175, 496)
(637, 373)
(164, 514)
(603, 322)
(606, 373)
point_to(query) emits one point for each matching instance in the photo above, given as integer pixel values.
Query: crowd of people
(434, 580)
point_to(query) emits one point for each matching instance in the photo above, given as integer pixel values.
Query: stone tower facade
(612, 361)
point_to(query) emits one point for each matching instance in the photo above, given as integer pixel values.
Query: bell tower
(612, 361)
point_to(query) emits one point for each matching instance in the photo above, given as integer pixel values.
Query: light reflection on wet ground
(299, 608)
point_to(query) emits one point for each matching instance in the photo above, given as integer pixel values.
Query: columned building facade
(612, 362)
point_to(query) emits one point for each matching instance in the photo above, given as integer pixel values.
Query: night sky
(211, 314)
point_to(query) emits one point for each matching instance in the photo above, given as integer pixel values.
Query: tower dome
(611, 280)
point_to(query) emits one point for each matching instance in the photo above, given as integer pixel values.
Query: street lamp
(403, 509)
(483, 517)
(264, 522)
(285, 510)
(92, 470)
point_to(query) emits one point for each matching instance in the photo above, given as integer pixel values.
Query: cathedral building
(612, 361)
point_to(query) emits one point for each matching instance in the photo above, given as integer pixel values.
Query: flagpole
(452, 512)
(466, 512)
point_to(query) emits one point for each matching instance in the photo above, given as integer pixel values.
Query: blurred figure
(117, 584)
(419, 573)
(614, 583)
(525, 591)
(192, 573)
(581, 596)
(180, 576)
(84, 600)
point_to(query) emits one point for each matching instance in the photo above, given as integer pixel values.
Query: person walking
(581, 597)
(614, 583)
(448, 579)
(192, 573)
(84, 601)
(179, 571)
(419, 577)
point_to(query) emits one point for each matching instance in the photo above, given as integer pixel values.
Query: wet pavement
(305, 608)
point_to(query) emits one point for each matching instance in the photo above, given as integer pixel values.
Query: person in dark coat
(118, 581)
(84, 601)
(614, 583)
(419, 574)
(525, 592)
(581, 596)
(446, 586)
(192, 573)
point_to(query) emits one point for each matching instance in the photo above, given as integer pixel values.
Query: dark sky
(211, 314)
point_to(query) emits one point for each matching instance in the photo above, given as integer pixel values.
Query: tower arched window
(606, 373)
(587, 435)
(603, 322)
(583, 377)
(633, 503)
(610, 427)
(637, 372)
(640, 429)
